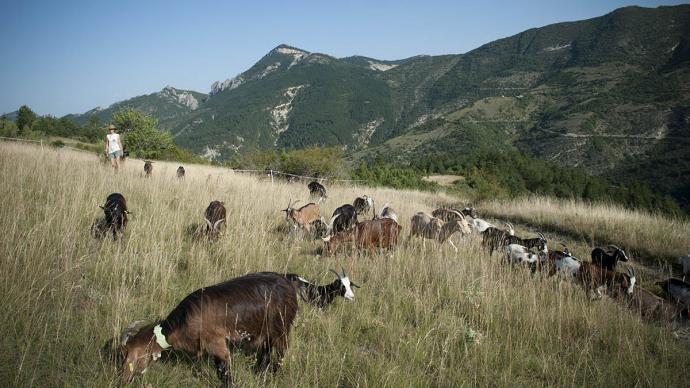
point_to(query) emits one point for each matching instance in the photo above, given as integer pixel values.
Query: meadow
(423, 317)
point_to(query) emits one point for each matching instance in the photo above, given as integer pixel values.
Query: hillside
(424, 316)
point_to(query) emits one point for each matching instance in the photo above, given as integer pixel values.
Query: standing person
(113, 147)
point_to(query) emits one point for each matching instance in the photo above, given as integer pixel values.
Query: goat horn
(330, 223)
(217, 223)
(210, 225)
(542, 235)
(336, 274)
(458, 213)
(343, 269)
(631, 272)
(129, 330)
(353, 284)
(615, 247)
(510, 225)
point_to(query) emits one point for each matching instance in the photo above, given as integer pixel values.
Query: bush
(57, 143)
(140, 135)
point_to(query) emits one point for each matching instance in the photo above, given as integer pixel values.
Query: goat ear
(353, 284)
(101, 206)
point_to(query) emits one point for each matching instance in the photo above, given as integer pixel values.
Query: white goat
(516, 254)
(387, 212)
(480, 225)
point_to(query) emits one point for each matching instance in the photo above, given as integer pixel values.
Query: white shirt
(113, 142)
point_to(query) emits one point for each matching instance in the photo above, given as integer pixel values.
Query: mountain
(169, 106)
(609, 94)
(291, 98)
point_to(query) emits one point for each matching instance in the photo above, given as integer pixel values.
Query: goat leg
(453, 245)
(223, 371)
(263, 358)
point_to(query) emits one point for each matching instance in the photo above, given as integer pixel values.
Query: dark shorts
(113, 155)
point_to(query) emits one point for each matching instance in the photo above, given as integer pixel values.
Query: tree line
(139, 131)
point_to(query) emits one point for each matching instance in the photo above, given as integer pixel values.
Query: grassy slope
(424, 317)
(648, 235)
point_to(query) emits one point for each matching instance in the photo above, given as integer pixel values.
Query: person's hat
(111, 127)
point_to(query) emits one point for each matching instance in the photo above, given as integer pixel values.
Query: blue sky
(63, 57)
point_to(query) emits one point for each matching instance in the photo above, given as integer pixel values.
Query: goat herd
(257, 310)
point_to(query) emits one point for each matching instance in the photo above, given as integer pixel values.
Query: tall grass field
(425, 316)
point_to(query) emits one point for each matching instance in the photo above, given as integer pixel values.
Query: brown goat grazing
(593, 278)
(214, 216)
(148, 167)
(256, 309)
(652, 307)
(304, 216)
(428, 227)
(493, 238)
(446, 214)
(677, 290)
(370, 234)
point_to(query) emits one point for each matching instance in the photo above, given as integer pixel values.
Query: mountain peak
(178, 96)
(289, 50)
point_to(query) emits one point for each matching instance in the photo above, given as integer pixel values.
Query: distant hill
(609, 94)
(169, 106)
(10, 116)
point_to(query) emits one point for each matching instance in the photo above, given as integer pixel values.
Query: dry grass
(425, 317)
(642, 234)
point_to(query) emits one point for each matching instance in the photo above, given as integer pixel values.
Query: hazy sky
(63, 57)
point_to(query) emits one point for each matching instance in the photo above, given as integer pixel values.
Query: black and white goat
(344, 218)
(608, 257)
(363, 204)
(316, 190)
(537, 242)
(519, 254)
(322, 296)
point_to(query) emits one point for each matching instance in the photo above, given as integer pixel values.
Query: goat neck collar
(160, 337)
